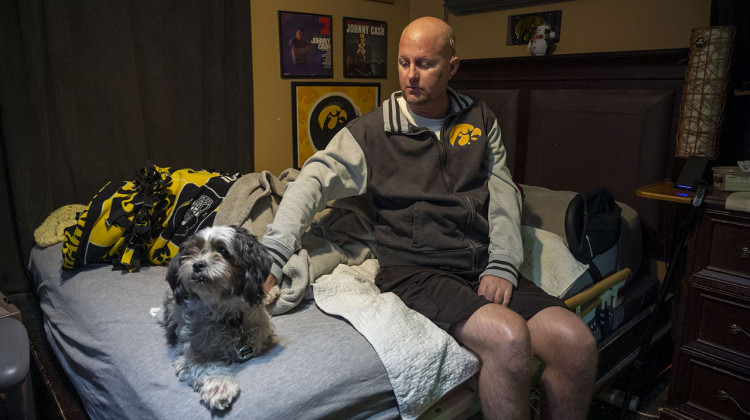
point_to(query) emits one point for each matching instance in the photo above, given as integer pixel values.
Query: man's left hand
(496, 289)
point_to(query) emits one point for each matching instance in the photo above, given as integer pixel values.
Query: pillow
(52, 231)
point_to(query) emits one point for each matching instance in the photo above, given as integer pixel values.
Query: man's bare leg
(568, 349)
(501, 339)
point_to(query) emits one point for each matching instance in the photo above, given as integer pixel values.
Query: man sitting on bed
(447, 214)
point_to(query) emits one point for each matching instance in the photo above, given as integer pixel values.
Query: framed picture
(521, 27)
(305, 45)
(321, 109)
(365, 43)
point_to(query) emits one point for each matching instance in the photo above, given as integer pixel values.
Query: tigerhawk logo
(328, 117)
(463, 134)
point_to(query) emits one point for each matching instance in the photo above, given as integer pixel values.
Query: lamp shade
(704, 92)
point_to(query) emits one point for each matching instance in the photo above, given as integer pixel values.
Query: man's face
(299, 34)
(423, 70)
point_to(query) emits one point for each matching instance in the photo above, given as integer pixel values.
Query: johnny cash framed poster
(365, 43)
(305, 45)
(321, 109)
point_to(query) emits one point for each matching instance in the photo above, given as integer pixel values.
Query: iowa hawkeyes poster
(322, 109)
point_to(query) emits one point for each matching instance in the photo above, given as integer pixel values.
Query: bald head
(433, 32)
(426, 62)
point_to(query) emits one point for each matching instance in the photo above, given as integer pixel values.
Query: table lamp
(703, 95)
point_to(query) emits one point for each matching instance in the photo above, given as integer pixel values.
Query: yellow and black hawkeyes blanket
(147, 218)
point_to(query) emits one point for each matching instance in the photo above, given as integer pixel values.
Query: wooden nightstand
(665, 191)
(711, 361)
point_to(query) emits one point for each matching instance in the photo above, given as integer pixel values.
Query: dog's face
(220, 262)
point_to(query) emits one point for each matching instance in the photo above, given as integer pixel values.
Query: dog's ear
(173, 278)
(257, 265)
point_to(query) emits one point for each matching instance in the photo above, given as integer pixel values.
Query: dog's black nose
(199, 266)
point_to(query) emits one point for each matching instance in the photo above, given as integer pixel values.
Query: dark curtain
(92, 90)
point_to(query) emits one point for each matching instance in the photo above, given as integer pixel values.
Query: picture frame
(305, 45)
(521, 27)
(322, 109)
(365, 44)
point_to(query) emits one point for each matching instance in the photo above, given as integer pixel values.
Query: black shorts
(450, 297)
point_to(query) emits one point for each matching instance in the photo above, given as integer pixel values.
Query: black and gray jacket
(445, 203)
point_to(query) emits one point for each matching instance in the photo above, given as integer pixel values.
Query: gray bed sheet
(98, 323)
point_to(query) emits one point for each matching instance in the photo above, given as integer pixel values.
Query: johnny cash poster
(305, 45)
(365, 44)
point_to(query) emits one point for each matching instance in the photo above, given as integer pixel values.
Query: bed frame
(566, 120)
(574, 122)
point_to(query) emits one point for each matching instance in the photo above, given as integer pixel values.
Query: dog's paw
(218, 392)
(181, 369)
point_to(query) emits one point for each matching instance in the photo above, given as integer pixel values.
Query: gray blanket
(340, 234)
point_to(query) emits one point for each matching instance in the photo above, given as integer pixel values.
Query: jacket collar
(397, 121)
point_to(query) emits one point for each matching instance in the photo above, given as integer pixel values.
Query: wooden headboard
(579, 121)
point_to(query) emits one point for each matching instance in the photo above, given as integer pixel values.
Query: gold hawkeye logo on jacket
(463, 134)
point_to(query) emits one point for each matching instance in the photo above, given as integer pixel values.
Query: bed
(330, 362)
(97, 322)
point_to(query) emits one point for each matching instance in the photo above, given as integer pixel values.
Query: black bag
(592, 226)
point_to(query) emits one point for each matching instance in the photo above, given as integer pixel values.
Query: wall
(587, 26)
(272, 95)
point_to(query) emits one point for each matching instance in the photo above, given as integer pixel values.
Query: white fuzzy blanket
(423, 362)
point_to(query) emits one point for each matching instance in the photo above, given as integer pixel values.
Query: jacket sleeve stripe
(277, 256)
(503, 266)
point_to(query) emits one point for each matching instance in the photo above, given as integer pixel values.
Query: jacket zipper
(449, 184)
(444, 156)
(443, 165)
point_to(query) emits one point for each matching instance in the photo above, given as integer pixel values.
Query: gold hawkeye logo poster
(322, 109)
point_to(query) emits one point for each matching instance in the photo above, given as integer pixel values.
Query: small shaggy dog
(214, 312)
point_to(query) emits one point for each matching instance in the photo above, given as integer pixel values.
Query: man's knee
(561, 338)
(503, 333)
(578, 346)
(513, 338)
